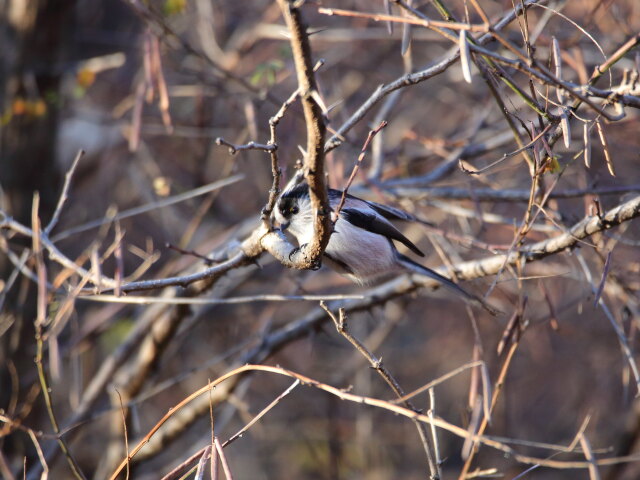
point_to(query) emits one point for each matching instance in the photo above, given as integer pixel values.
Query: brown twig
(202, 463)
(438, 381)
(362, 400)
(605, 148)
(181, 197)
(617, 328)
(506, 363)
(594, 474)
(356, 167)
(223, 460)
(481, 12)
(434, 69)
(124, 431)
(378, 17)
(579, 231)
(627, 46)
(64, 195)
(605, 272)
(595, 76)
(262, 413)
(207, 261)
(545, 77)
(553, 316)
(39, 325)
(212, 445)
(492, 195)
(376, 363)
(508, 155)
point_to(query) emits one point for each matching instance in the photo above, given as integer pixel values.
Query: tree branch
(308, 256)
(398, 287)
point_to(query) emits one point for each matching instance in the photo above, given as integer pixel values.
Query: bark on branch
(308, 256)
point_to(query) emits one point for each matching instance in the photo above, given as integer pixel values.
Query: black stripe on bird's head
(289, 202)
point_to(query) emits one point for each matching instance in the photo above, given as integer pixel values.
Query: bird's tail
(454, 287)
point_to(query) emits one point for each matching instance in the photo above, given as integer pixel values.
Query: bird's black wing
(391, 213)
(374, 224)
(386, 211)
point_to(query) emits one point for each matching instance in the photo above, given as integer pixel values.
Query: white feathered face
(293, 212)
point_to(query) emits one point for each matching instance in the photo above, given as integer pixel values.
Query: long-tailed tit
(361, 246)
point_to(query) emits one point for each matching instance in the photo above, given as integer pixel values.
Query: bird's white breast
(368, 255)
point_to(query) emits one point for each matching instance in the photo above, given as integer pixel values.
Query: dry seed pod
(605, 148)
(387, 8)
(566, 129)
(465, 59)
(557, 61)
(406, 35)
(587, 145)
(406, 39)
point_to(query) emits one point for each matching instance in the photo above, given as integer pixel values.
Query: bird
(361, 246)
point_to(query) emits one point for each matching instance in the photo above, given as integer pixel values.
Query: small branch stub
(233, 148)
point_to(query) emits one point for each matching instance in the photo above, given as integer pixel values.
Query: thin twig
(362, 400)
(135, 300)
(124, 430)
(434, 431)
(481, 12)
(619, 331)
(507, 155)
(223, 459)
(234, 148)
(545, 77)
(36, 444)
(418, 192)
(378, 17)
(605, 272)
(506, 363)
(434, 69)
(377, 296)
(207, 261)
(151, 206)
(262, 413)
(439, 380)
(594, 474)
(356, 167)
(64, 195)
(376, 363)
(202, 463)
(212, 445)
(39, 324)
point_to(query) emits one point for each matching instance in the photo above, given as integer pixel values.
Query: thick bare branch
(308, 256)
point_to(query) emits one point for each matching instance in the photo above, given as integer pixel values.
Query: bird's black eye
(288, 207)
